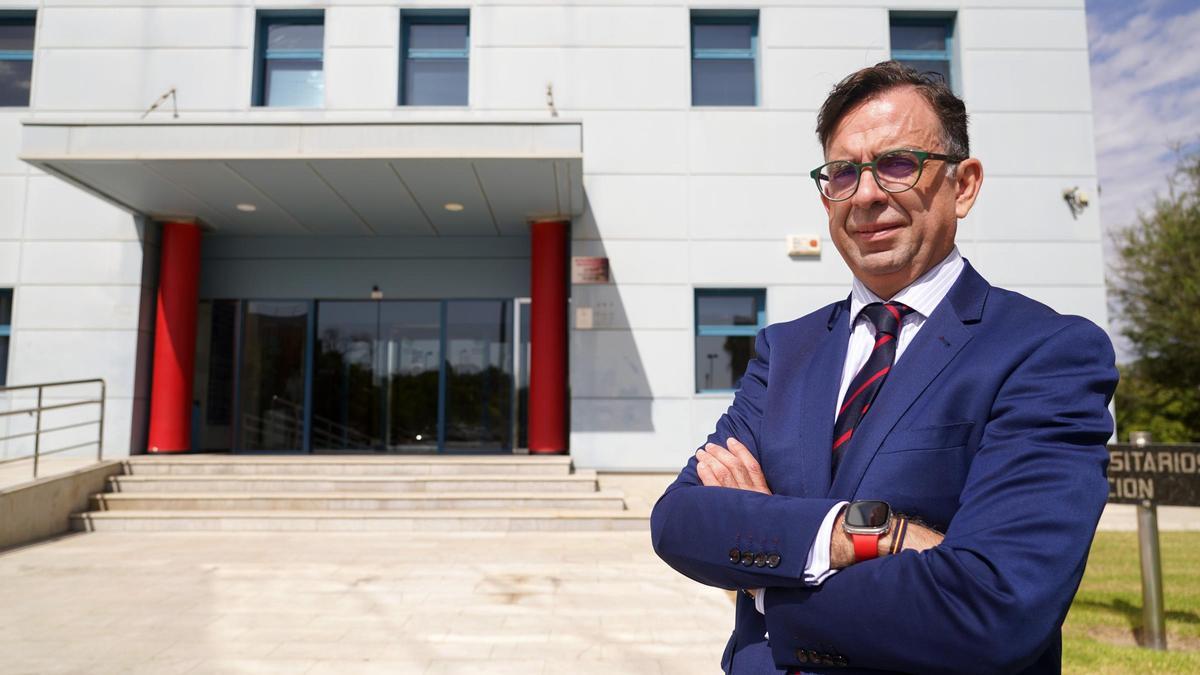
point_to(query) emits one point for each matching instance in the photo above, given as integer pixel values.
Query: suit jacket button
(760, 559)
(747, 558)
(735, 555)
(773, 560)
(801, 656)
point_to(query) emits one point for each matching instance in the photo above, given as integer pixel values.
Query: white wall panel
(754, 207)
(632, 207)
(1031, 144)
(1054, 81)
(802, 78)
(10, 142)
(125, 27)
(56, 356)
(753, 141)
(639, 262)
(59, 210)
(361, 78)
(12, 206)
(645, 434)
(1039, 264)
(615, 25)
(10, 262)
(1003, 28)
(79, 307)
(362, 26)
(1031, 209)
(638, 307)
(763, 263)
(785, 303)
(90, 262)
(634, 142)
(631, 364)
(807, 27)
(132, 79)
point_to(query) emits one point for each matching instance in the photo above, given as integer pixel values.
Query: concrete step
(523, 520)
(348, 465)
(355, 501)
(580, 481)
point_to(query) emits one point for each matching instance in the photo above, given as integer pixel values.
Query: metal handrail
(40, 408)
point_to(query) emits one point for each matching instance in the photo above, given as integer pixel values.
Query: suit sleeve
(991, 597)
(695, 528)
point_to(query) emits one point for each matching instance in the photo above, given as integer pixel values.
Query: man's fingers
(706, 475)
(754, 471)
(738, 476)
(717, 473)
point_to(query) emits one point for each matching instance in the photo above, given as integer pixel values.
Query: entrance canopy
(335, 178)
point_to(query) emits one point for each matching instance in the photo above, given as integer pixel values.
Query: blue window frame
(6, 296)
(435, 48)
(16, 58)
(289, 59)
(924, 41)
(727, 320)
(724, 58)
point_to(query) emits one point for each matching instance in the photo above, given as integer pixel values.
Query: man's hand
(734, 467)
(916, 538)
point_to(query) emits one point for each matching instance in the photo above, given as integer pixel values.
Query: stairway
(355, 493)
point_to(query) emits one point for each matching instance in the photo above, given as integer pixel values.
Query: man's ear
(968, 179)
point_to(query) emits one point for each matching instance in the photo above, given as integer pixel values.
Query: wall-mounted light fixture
(1077, 200)
(376, 294)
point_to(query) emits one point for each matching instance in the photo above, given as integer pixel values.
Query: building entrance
(330, 376)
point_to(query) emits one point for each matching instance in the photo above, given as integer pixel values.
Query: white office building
(377, 226)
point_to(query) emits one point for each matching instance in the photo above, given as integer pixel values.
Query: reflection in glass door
(275, 339)
(410, 353)
(479, 369)
(346, 413)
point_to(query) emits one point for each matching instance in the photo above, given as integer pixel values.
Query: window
(435, 47)
(726, 323)
(6, 295)
(724, 67)
(289, 68)
(924, 41)
(16, 60)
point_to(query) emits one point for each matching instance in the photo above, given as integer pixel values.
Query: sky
(1145, 57)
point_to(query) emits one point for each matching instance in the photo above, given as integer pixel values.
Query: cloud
(1146, 98)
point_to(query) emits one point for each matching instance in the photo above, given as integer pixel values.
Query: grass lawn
(1099, 635)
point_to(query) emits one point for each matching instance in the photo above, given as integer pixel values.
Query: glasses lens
(898, 170)
(838, 179)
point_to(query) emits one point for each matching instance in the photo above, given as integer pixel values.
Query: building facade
(366, 226)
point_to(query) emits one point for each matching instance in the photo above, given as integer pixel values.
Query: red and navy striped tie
(886, 317)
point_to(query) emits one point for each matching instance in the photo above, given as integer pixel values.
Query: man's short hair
(874, 80)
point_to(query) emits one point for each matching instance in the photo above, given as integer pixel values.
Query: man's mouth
(876, 230)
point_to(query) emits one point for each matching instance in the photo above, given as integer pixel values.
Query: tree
(1158, 298)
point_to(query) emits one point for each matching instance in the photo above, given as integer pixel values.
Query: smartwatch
(866, 522)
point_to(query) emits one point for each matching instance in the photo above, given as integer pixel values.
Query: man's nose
(868, 191)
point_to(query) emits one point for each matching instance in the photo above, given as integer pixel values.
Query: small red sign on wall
(589, 270)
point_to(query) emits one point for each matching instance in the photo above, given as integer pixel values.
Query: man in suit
(909, 479)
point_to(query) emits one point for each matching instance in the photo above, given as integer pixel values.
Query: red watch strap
(866, 546)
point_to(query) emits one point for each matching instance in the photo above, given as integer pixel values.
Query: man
(909, 479)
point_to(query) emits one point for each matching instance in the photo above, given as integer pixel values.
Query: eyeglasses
(894, 171)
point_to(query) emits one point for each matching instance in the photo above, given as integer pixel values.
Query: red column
(548, 339)
(175, 339)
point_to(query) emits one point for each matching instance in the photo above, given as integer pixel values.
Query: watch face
(867, 514)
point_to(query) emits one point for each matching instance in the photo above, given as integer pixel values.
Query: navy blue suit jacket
(991, 427)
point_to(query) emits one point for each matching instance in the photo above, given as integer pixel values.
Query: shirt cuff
(816, 569)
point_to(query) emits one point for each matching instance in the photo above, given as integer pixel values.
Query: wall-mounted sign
(1161, 474)
(589, 270)
(803, 245)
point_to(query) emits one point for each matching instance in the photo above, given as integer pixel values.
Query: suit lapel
(817, 401)
(941, 338)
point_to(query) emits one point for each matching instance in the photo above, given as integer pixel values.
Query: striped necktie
(886, 317)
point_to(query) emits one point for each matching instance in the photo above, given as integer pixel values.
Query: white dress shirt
(923, 296)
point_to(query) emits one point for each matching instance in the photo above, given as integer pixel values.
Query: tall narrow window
(16, 58)
(726, 324)
(5, 331)
(925, 42)
(289, 60)
(436, 52)
(724, 58)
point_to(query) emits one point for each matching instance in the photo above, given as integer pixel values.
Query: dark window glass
(435, 59)
(724, 59)
(213, 391)
(726, 325)
(16, 58)
(922, 41)
(346, 385)
(922, 37)
(478, 375)
(290, 62)
(5, 331)
(273, 367)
